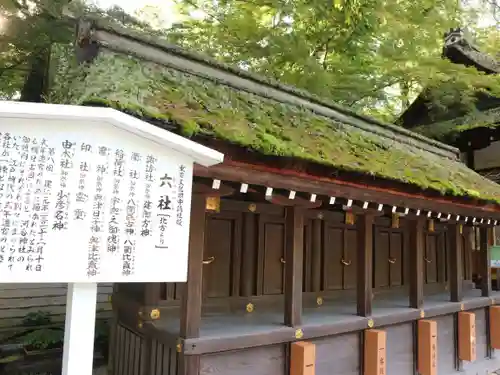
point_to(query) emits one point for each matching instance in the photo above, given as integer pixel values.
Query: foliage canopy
(373, 56)
(370, 55)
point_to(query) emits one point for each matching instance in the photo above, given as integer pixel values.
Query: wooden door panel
(222, 241)
(350, 254)
(396, 263)
(272, 236)
(333, 251)
(442, 257)
(380, 259)
(466, 254)
(430, 258)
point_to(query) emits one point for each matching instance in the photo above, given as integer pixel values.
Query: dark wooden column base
(484, 262)
(417, 243)
(456, 266)
(294, 254)
(365, 264)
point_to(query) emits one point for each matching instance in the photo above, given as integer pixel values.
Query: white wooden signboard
(91, 195)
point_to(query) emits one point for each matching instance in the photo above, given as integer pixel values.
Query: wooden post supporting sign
(375, 352)
(427, 347)
(78, 354)
(466, 336)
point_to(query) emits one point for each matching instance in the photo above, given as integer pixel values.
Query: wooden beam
(417, 252)
(294, 254)
(456, 262)
(192, 293)
(282, 200)
(365, 264)
(279, 179)
(484, 262)
(208, 191)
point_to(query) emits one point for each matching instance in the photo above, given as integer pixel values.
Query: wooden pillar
(151, 299)
(466, 230)
(365, 264)
(151, 295)
(427, 347)
(484, 262)
(302, 358)
(375, 352)
(494, 327)
(417, 252)
(294, 254)
(455, 249)
(111, 366)
(192, 293)
(316, 255)
(248, 262)
(466, 336)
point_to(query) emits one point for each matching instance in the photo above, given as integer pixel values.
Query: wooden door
(442, 257)
(397, 260)
(350, 254)
(466, 256)
(381, 255)
(340, 256)
(271, 254)
(388, 259)
(333, 245)
(221, 256)
(430, 259)
(435, 258)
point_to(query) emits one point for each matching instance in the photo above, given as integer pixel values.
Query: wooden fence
(18, 300)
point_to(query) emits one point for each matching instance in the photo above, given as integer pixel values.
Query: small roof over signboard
(199, 153)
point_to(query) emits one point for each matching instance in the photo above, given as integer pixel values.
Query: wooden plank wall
(18, 300)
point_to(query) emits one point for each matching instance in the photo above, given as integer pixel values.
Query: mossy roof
(448, 131)
(201, 106)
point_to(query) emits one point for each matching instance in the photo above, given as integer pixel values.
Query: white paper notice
(83, 202)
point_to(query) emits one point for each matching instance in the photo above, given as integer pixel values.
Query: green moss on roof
(201, 106)
(448, 131)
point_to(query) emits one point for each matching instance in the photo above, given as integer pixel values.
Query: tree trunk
(35, 84)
